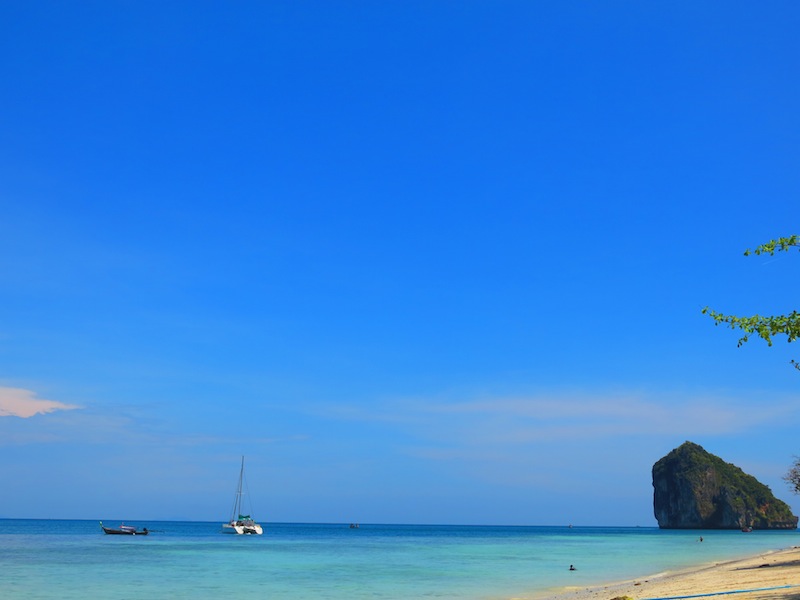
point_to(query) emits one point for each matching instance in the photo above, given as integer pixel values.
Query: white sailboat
(239, 523)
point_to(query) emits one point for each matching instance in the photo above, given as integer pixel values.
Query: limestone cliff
(694, 489)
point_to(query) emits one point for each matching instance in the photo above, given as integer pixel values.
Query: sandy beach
(766, 576)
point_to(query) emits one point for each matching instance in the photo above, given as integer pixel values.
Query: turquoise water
(74, 560)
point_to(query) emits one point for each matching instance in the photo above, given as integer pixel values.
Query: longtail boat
(124, 530)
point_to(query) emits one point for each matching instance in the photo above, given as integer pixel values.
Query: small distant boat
(747, 529)
(239, 523)
(124, 530)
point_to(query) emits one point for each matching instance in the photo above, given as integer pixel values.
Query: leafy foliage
(765, 327)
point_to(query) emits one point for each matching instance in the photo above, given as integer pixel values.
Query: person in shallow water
(572, 567)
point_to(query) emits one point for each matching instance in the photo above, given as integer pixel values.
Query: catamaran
(239, 523)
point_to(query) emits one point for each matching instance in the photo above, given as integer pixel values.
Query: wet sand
(754, 578)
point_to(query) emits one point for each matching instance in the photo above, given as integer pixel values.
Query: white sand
(726, 580)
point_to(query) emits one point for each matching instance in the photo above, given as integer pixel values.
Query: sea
(54, 559)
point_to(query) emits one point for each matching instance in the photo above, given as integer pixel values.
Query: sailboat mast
(239, 493)
(237, 501)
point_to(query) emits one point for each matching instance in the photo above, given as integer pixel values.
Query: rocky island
(694, 489)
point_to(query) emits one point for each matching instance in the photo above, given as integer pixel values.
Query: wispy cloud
(553, 433)
(592, 415)
(542, 439)
(581, 414)
(17, 402)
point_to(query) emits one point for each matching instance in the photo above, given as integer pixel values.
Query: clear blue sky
(420, 262)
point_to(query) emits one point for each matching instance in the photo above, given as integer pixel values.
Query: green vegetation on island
(694, 489)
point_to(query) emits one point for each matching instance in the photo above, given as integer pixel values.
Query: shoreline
(769, 575)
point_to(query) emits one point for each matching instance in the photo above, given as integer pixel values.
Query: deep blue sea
(44, 559)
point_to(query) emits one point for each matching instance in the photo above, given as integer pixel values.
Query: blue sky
(420, 262)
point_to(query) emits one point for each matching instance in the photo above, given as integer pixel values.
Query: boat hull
(243, 529)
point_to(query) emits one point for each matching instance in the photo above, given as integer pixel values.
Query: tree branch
(765, 327)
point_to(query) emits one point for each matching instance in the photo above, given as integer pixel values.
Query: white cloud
(16, 402)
